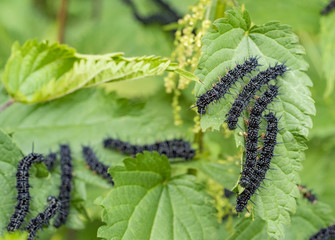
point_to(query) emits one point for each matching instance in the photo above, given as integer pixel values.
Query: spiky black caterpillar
(66, 185)
(22, 186)
(262, 165)
(249, 90)
(221, 88)
(324, 233)
(270, 141)
(307, 194)
(253, 129)
(176, 148)
(95, 165)
(328, 8)
(50, 160)
(43, 218)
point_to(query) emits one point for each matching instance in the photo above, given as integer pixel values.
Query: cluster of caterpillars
(59, 207)
(257, 160)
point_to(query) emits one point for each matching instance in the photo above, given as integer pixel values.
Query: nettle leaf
(308, 220)
(80, 119)
(10, 156)
(9, 160)
(327, 42)
(146, 203)
(38, 72)
(215, 171)
(87, 117)
(232, 40)
(247, 228)
(43, 185)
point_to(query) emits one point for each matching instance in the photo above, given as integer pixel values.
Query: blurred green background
(103, 26)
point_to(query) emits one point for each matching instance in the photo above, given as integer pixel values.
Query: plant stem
(7, 104)
(62, 20)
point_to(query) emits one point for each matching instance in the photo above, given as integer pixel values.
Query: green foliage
(232, 40)
(82, 118)
(307, 220)
(42, 185)
(38, 72)
(11, 155)
(152, 198)
(146, 203)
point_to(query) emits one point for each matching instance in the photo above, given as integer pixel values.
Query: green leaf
(10, 157)
(232, 40)
(215, 170)
(86, 117)
(327, 43)
(146, 203)
(247, 228)
(42, 187)
(308, 220)
(38, 72)
(183, 73)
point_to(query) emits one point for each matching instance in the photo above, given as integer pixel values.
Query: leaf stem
(6, 105)
(62, 20)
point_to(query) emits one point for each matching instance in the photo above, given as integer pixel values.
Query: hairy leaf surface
(147, 203)
(43, 185)
(38, 72)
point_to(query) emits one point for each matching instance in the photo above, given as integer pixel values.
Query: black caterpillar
(66, 185)
(176, 148)
(253, 129)
(328, 8)
(22, 186)
(165, 16)
(262, 165)
(50, 160)
(324, 233)
(221, 88)
(270, 142)
(250, 90)
(43, 218)
(95, 165)
(307, 194)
